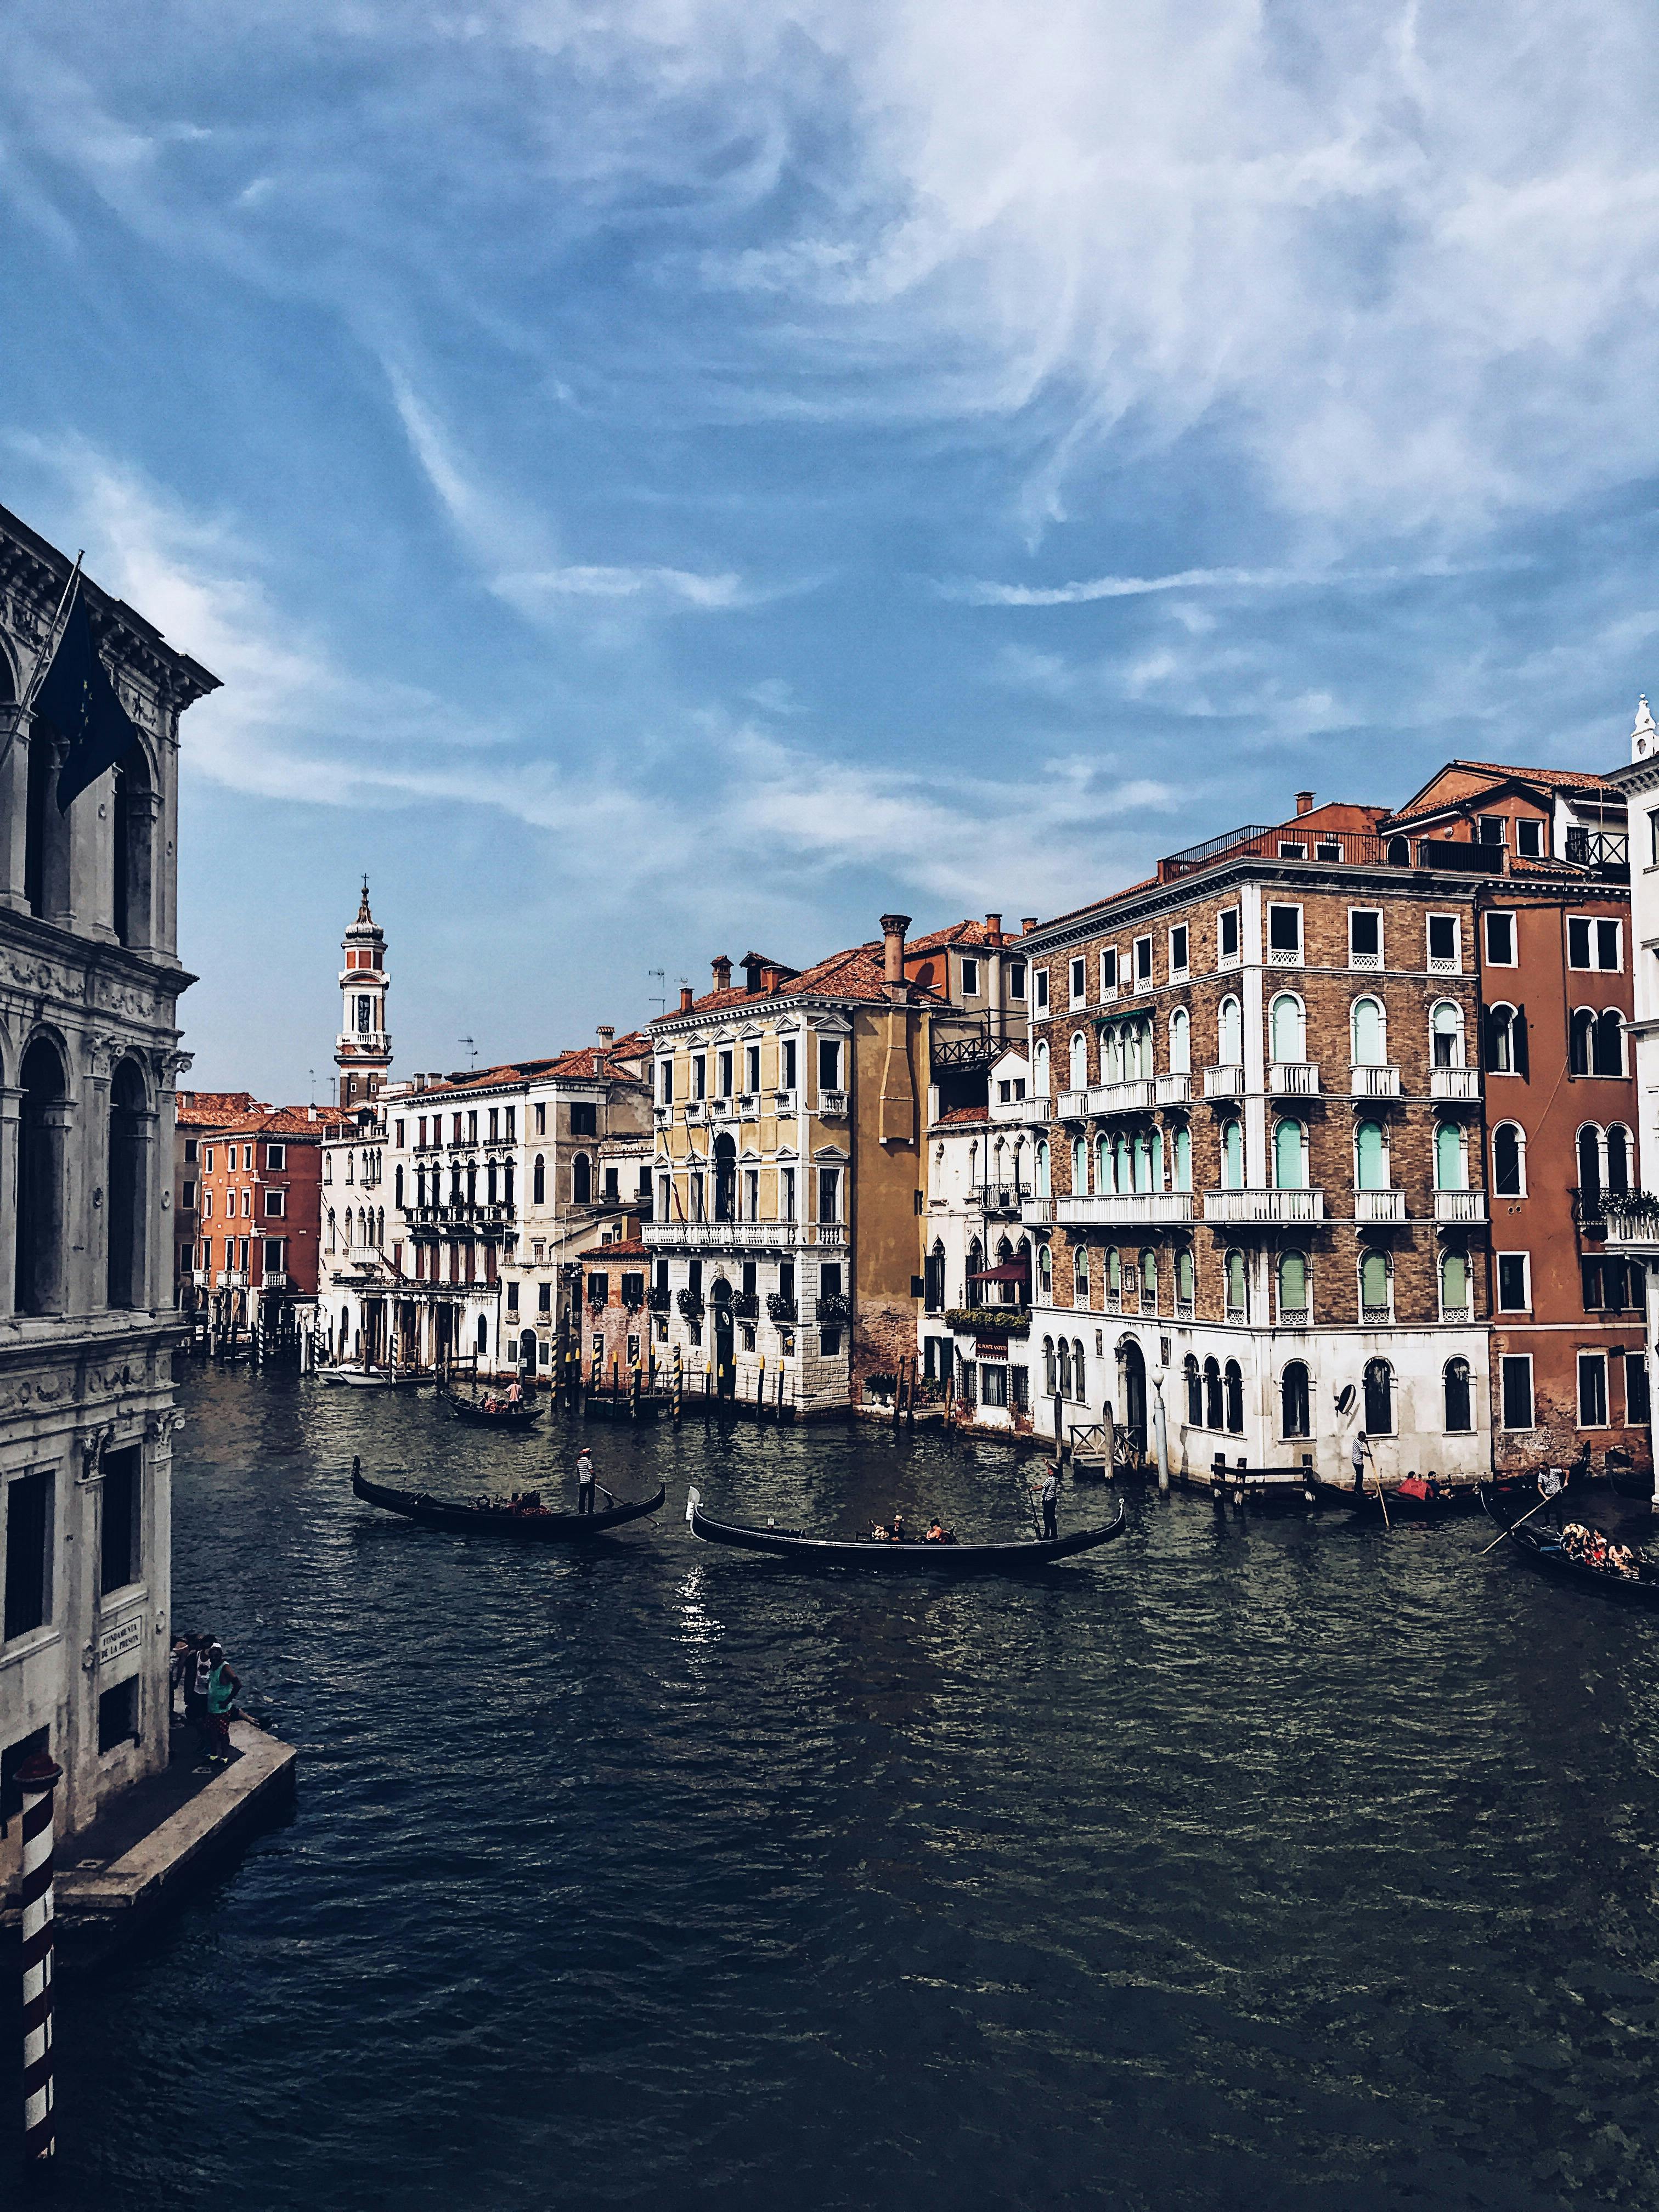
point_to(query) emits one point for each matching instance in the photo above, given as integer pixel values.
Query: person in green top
(223, 1683)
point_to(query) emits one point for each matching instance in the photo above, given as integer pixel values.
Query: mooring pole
(38, 1779)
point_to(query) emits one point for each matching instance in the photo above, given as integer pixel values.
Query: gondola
(914, 1556)
(1540, 1547)
(505, 1417)
(376, 1378)
(1402, 1505)
(526, 1529)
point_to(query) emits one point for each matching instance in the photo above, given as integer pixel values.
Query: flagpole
(42, 660)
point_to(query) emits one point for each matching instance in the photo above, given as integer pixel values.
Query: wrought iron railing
(782, 1309)
(835, 1309)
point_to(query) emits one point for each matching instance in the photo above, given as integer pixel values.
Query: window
(1506, 1041)
(277, 1202)
(1080, 1061)
(1227, 936)
(1446, 1035)
(1500, 940)
(751, 1081)
(828, 1064)
(1515, 1387)
(1637, 1411)
(1379, 1398)
(1040, 985)
(277, 1155)
(1194, 1391)
(1183, 1157)
(1514, 1289)
(971, 979)
(1287, 1029)
(364, 1005)
(1109, 973)
(1233, 1378)
(1284, 936)
(190, 1152)
(1293, 1400)
(1653, 838)
(118, 1521)
(117, 1715)
(1367, 1043)
(1143, 961)
(1375, 1304)
(1213, 1409)
(472, 1128)
(1453, 1284)
(723, 1073)
(275, 1247)
(1016, 979)
(1594, 944)
(1529, 843)
(1592, 1389)
(828, 1194)
(1232, 1155)
(1237, 1301)
(1370, 1158)
(1364, 936)
(993, 1383)
(1458, 1398)
(1289, 1157)
(1078, 973)
(1180, 1042)
(1186, 1279)
(1445, 945)
(581, 1179)
(1294, 1290)
(1229, 1034)
(1492, 828)
(1449, 1160)
(1608, 1054)
(584, 1118)
(188, 1198)
(1179, 940)
(1509, 1161)
(28, 1554)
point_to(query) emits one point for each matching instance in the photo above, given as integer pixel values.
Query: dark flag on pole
(77, 698)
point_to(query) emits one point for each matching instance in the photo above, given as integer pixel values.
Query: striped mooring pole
(38, 1777)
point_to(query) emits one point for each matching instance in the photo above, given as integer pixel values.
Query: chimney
(994, 928)
(1028, 922)
(753, 971)
(770, 979)
(1305, 800)
(893, 926)
(685, 998)
(722, 968)
(607, 1037)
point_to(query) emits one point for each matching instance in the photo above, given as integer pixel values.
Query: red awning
(1011, 1272)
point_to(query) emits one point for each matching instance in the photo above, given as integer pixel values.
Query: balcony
(1458, 1086)
(1451, 1205)
(1631, 1219)
(1294, 1316)
(1105, 1209)
(832, 1105)
(1376, 1316)
(658, 1298)
(697, 1110)
(743, 1236)
(833, 1309)
(232, 1278)
(1379, 1206)
(1293, 1078)
(1374, 1083)
(1071, 1105)
(1020, 1111)
(1172, 1090)
(1003, 1198)
(1113, 1098)
(662, 1117)
(274, 1280)
(1224, 1082)
(1037, 1213)
(722, 1109)
(748, 1105)
(787, 1102)
(782, 1309)
(1608, 851)
(1263, 1208)
(745, 1305)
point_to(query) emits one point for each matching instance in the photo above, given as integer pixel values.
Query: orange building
(250, 1187)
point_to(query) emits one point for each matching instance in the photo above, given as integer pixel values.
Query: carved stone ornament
(91, 1448)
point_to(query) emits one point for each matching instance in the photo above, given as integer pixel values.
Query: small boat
(356, 1377)
(478, 1520)
(914, 1555)
(1403, 1504)
(1541, 1549)
(504, 1417)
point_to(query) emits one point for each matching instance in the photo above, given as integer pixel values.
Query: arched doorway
(526, 1352)
(725, 1366)
(1131, 1393)
(42, 1128)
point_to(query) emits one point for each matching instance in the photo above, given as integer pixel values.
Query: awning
(1012, 1271)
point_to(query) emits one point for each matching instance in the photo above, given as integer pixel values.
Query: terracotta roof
(955, 933)
(575, 1064)
(858, 973)
(1551, 779)
(962, 1117)
(203, 1110)
(254, 1121)
(634, 1247)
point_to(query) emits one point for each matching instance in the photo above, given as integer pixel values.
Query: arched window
(1183, 1157)
(1590, 1159)
(1459, 1398)
(1137, 1051)
(1194, 1391)
(1064, 1352)
(1050, 1376)
(1122, 1163)
(1453, 1284)
(1610, 1041)
(133, 809)
(1079, 1386)
(1399, 853)
(1079, 1164)
(1509, 1160)
(45, 830)
(1104, 1179)
(581, 1179)
(1142, 1161)
(1180, 1042)
(1111, 1056)
(1229, 1034)
(1186, 1279)
(1449, 1162)
(1581, 1040)
(1040, 1069)
(1232, 1155)
(483, 1336)
(1045, 1272)
(975, 1294)
(126, 1197)
(1373, 1288)
(1446, 1033)
(1370, 1047)
(1290, 1156)
(1379, 1398)
(1619, 1152)
(492, 1179)
(1293, 1397)
(1501, 1040)
(42, 1135)
(1079, 1275)
(1113, 1275)
(1149, 1279)
(1294, 1290)
(1212, 1405)
(1237, 1300)
(1080, 1061)
(1287, 1028)
(1043, 1167)
(1233, 1379)
(1370, 1158)
(397, 1187)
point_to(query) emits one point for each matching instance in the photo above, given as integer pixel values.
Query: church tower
(362, 1051)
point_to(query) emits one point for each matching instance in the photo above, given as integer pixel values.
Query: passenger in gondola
(881, 1534)
(1622, 1561)
(898, 1527)
(935, 1531)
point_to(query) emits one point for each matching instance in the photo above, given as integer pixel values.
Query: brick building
(254, 1174)
(199, 1113)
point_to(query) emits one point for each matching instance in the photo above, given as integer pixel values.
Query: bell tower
(362, 1051)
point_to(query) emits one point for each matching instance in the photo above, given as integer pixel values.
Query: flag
(77, 698)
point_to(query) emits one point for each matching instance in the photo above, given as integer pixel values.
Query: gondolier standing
(1360, 1452)
(585, 1481)
(1051, 1500)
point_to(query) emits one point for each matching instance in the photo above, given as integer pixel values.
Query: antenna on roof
(658, 999)
(312, 1073)
(472, 1051)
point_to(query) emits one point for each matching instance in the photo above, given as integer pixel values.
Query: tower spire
(362, 1051)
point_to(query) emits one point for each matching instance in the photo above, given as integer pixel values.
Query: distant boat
(914, 1556)
(354, 1376)
(486, 1521)
(504, 1416)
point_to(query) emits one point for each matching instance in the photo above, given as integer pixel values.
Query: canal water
(1282, 1863)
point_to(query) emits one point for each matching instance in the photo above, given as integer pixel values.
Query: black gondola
(1541, 1549)
(1444, 1505)
(505, 1417)
(914, 1556)
(525, 1528)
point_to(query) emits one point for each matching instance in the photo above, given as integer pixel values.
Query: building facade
(255, 1180)
(88, 1061)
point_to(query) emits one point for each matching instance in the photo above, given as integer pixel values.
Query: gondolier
(585, 1481)
(1360, 1452)
(1050, 1495)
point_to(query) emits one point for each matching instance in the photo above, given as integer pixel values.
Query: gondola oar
(1502, 1532)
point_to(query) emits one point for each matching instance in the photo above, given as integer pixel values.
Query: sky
(689, 477)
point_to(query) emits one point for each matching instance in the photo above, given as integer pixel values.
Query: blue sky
(666, 480)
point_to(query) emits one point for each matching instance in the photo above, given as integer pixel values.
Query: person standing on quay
(223, 1683)
(585, 1481)
(1051, 1501)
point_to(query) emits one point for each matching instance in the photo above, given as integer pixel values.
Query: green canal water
(1281, 1863)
